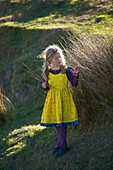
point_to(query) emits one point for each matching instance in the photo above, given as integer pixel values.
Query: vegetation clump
(5, 104)
(94, 55)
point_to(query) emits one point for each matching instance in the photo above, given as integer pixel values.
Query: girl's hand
(44, 85)
(77, 69)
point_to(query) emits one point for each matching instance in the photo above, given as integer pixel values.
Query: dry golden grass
(5, 104)
(94, 55)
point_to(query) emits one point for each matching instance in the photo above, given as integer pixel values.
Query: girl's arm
(73, 75)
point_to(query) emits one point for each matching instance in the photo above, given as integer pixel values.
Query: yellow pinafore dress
(59, 108)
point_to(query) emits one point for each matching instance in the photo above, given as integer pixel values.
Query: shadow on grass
(32, 10)
(20, 42)
(24, 138)
(19, 153)
(20, 138)
(90, 148)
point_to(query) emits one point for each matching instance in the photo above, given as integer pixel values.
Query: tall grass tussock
(94, 94)
(5, 104)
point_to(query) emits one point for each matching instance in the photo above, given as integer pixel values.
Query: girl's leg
(62, 134)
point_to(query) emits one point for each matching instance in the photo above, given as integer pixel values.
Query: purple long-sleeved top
(71, 77)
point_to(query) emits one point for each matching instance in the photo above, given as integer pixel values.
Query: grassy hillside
(95, 16)
(26, 145)
(26, 28)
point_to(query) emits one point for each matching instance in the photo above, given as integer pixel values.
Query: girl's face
(56, 60)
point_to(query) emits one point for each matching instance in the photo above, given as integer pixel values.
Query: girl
(59, 109)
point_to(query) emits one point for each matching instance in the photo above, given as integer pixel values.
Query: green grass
(26, 27)
(25, 30)
(26, 145)
(78, 15)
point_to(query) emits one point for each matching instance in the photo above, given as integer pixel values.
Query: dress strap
(69, 69)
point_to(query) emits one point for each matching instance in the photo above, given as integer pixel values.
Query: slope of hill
(26, 28)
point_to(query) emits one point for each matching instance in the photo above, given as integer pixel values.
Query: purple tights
(62, 133)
